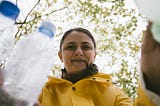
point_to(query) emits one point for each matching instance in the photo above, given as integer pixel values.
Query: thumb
(148, 41)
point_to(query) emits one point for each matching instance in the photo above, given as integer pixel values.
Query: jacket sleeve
(145, 96)
(122, 99)
(46, 97)
(143, 99)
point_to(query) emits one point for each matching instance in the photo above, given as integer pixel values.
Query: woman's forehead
(77, 37)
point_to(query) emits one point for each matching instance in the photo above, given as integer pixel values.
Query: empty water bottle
(8, 14)
(28, 66)
(150, 8)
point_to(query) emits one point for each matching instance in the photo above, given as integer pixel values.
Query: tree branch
(26, 18)
(41, 16)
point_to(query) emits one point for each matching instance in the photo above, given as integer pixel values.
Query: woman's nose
(78, 52)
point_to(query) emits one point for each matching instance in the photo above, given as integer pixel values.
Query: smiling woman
(77, 51)
(80, 74)
(81, 84)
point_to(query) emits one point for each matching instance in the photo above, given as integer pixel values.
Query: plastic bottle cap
(48, 28)
(9, 9)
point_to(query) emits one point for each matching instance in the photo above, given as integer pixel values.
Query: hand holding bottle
(27, 68)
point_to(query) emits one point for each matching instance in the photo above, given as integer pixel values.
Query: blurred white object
(28, 67)
(150, 8)
(156, 31)
(8, 14)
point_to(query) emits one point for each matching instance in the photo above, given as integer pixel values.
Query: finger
(148, 42)
(36, 104)
(19, 102)
(1, 78)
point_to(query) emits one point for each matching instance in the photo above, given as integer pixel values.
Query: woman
(81, 83)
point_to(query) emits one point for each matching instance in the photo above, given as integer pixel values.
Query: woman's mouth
(78, 61)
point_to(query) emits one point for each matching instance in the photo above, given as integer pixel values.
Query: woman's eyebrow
(86, 43)
(70, 43)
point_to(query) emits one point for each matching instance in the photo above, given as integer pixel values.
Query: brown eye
(71, 47)
(86, 47)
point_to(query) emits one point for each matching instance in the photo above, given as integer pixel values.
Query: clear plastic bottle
(150, 8)
(27, 68)
(8, 14)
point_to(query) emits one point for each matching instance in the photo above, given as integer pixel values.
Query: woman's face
(77, 51)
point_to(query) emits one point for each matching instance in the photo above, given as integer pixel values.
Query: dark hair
(78, 30)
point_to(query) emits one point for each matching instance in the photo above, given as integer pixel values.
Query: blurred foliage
(113, 25)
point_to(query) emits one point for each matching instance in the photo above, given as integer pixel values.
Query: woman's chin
(78, 70)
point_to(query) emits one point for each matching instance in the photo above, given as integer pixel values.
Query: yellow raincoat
(94, 90)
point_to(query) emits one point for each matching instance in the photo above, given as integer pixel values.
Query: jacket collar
(74, 77)
(101, 80)
(98, 77)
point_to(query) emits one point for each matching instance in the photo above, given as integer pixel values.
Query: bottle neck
(46, 31)
(5, 22)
